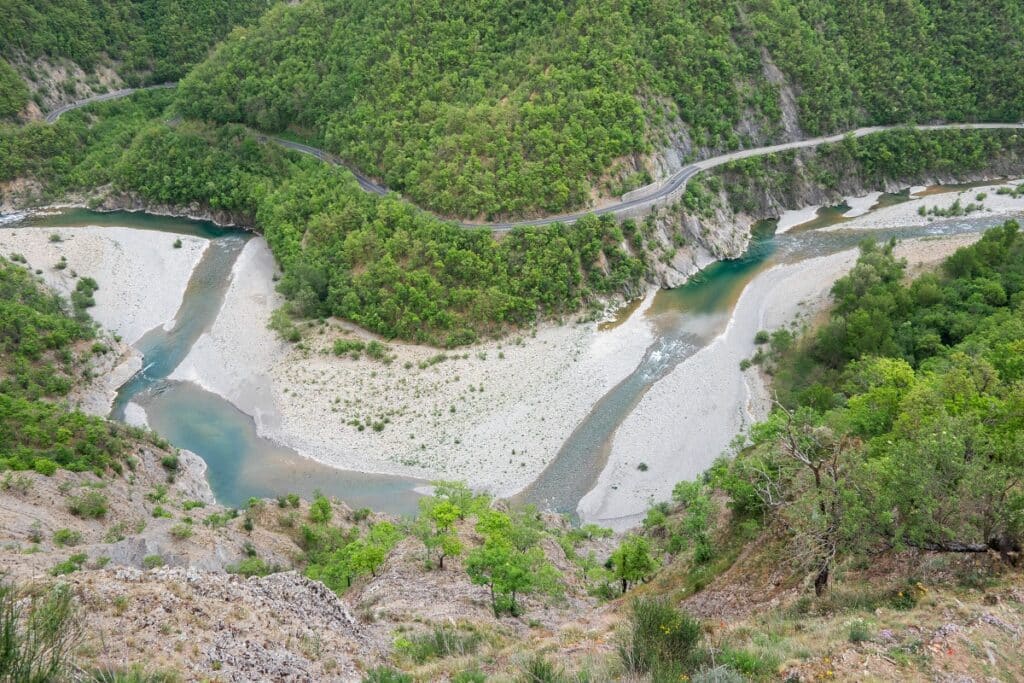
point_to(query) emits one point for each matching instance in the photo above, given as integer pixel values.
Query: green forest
(376, 261)
(144, 41)
(514, 108)
(44, 352)
(898, 422)
(390, 267)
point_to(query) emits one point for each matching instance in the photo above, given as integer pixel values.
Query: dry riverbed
(493, 414)
(688, 419)
(987, 202)
(141, 276)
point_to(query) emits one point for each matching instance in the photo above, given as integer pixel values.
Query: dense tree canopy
(152, 40)
(43, 351)
(900, 419)
(511, 107)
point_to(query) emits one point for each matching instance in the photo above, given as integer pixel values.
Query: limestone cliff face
(681, 242)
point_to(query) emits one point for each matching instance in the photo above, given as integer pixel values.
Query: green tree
(320, 512)
(434, 527)
(632, 561)
(510, 563)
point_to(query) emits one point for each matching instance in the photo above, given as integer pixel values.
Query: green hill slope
(519, 106)
(144, 41)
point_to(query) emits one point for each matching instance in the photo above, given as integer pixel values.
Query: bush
(38, 636)
(660, 637)
(72, 564)
(177, 243)
(152, 561)
(320, 511)
(538, 669)
(250, 567)
(181, 531)
(170, 463)
(859, 631)
(44, 466)
(762, 337)
(65, 537)
(89, 505)
(443, 641)
(385, 674)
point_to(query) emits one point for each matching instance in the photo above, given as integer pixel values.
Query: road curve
(657, 192)
(112, 95)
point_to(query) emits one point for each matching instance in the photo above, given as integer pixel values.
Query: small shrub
(159, 512)
(754, 664)
(320, 511)
(762, 337)
(442, 642)
(538, 669)
(181, 531)
(55, 237)
(250, 567)
(170, 463)
(153, 561)
(40, 635)
(470, 676)
(659, 637)
(642, 467)
(70, 565)
(89, 505)
(44, 466)
(177, 243)
(385, 674)
(858, 632)
(193, 504)
(66, 537)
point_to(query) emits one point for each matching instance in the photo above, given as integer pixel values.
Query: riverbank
(494, 414)
(141, 275)
(907, 213)
(686, 420)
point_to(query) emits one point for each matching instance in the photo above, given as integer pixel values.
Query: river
(242, 464)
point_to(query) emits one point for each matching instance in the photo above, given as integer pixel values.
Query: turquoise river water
(243, 464)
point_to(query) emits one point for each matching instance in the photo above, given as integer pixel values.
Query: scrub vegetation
(44, 352)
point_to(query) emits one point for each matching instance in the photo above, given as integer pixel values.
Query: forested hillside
(145, 42)
(899, 421)
(485, 109)
(45, 351)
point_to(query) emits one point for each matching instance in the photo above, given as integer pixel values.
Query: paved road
(674, 185)
(112, 95)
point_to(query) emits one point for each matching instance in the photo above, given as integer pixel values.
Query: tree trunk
(821, 580)
(625, 586)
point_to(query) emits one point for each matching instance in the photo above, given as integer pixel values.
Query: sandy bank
(907, 213)
(791, 219)
(141, 276)
(858, 206)
(493, 414)
(689, 418)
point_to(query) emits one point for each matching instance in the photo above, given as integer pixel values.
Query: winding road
(657, 193)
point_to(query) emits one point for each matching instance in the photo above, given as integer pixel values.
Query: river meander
(242, 464)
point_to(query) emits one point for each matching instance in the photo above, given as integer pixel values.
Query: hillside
(759, 570)
(514, 108)
(52, 52)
